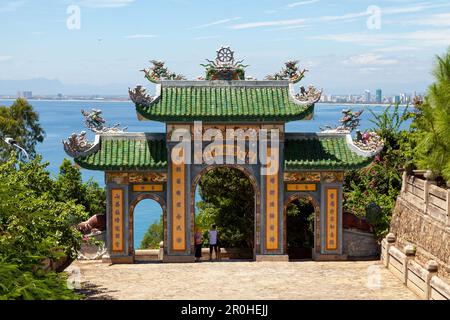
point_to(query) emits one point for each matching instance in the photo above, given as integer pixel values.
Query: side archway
(133, 205)
(316, 205)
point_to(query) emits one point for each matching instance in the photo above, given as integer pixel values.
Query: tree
(300, 224)
(38, 233)
(433, 123)
(153, 236)
(379, 184)
(20, 122)
(228, 200)
(69, 185)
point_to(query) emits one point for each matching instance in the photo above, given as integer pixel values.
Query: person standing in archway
(198, 244)
(213, 237)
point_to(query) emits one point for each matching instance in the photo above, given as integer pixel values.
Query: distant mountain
(43, 86)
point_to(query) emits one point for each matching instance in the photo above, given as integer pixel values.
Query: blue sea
(61, 118)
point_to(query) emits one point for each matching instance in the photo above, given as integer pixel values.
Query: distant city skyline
(99, 46)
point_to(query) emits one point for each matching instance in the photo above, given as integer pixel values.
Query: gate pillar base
(272, 257)
(178, 259)
(329, 257)
(118, 260)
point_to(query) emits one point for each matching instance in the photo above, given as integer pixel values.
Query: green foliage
(38, 218)
(17, 284)
(21, 123)
(69, 185)
(153, 236)
(38, 215)
(380, 183)
(433, 123)
(35, 225)
(228, 201)
(300, 224)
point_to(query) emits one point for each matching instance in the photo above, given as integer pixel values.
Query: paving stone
(365, 280)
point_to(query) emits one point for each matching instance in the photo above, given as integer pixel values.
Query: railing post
(448, 208)
(432, 268)
(410, 253)
(426, 188)
(404, 179)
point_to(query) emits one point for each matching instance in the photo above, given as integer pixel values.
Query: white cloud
(301, 26)
(344, 16)
(435, 20)
(215, 23)
(207, 37)
(397, 49)
(301, 3)
(260, 24)
(438, 37)
(141, 36)
(369, 59)
(5, 58)
(11, 6)
(413, 9)
(105, 3)
(385, 11)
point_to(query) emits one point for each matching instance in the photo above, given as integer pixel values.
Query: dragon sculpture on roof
(290, 72)
(77, 144)
(140, 96)
(350, 121)
(97, 124)
(159, 72)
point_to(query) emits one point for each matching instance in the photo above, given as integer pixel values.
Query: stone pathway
(366, 280)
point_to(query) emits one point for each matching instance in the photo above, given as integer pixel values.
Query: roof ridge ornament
(350, 121)
(310, 95)
(97, 124)
(159, 72)
(369, 143)
(140, 96)
(290, 72)
(77, 144)
(224, 67)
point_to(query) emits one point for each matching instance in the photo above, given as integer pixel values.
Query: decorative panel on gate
(272, 209)
(331, 218)
(148, 188)
(178, 205)
(301, 187)
(117, 220)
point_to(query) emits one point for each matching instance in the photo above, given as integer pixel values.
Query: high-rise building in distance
(25, 94)
(367, 95)
(379, 96)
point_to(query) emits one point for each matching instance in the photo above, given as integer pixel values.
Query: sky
(348, 46)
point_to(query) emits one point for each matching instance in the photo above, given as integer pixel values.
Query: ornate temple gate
(174, 190)
(156, 166)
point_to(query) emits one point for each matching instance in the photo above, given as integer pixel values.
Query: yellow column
(178, 205)
(117, 220)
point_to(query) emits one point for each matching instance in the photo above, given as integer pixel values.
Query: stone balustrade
(417, 251)
(427, 197)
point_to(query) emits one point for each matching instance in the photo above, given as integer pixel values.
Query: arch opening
(301, 227)
(228, 197)
(147, 226)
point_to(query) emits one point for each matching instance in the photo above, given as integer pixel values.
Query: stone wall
(418, 248)
(360, 244)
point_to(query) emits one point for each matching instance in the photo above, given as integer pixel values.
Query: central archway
(251, 178)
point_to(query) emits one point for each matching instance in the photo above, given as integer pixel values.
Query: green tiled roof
(301, 152)
(126, 154)
(181, 101)
(321, 153)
